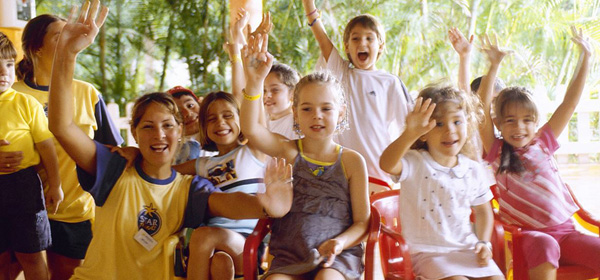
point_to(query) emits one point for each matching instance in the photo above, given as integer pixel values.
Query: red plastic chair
(515, 260)
(384, 228)
(263, 227)
(395, 258)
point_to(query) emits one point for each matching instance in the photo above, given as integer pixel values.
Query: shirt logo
(222, 173)
(149, 219)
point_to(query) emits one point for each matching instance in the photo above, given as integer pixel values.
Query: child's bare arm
(563, 113)
(76, 35)
(484, 221)
(186, 168)
(54, 194)
(275, 202)
(495, 56)
(317, 28)
(233, 49)
(462, 46)
(417, 124)
(356, 169)
(257, 63)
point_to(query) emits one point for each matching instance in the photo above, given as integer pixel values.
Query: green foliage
(417, 48)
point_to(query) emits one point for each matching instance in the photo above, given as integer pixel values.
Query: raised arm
(257, 63)
(313, 15)
(563, 113)
(76, 35)
(486, 90)
(418, 123)
(233, 49)
(462, 46)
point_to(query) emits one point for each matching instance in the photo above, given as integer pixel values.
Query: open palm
(79, 33)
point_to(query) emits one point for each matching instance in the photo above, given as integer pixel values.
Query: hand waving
(257, 60)
(492, 50)
(459, 42)
(580, 40)
(418, 121)
(277, 199)
(79, 33)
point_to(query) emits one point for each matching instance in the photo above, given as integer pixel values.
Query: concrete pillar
(14, 14)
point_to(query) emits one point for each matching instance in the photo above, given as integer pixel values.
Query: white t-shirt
(436, 201)
(377, 106)
(283, 126)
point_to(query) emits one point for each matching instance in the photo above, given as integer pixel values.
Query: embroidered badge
(149, 219)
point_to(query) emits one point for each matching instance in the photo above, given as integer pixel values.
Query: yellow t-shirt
(23, 124)
(136, 202)
(78, 205)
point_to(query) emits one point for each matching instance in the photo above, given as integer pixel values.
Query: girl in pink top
(532, 194)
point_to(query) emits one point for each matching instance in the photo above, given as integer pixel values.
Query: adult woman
(140, 207)
(70, 225)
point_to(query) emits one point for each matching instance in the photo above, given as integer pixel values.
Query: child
(277, 99)
(238, 167)
(189, 106)
(532, 194)
(441, 185)
(320, 237)
(71, 225)
(377, 100)
(25, 228)
(141, 207)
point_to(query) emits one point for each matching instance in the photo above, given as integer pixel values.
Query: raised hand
(80, 32)
(580, 40)
(257, 59)
(265, 26)
(492, 50)
(418, 121)
(238, 27)
(9, 160)
(279, 193)
(459, 42)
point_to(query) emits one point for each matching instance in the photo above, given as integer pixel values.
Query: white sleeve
(408, 166)
(335, 65)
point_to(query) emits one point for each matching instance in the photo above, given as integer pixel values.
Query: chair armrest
(263, 227)
(404, 251)
(372, 239)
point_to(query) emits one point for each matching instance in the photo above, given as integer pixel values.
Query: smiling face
(277, 97)
(190, 109)
(517, 125)
(363, 47)
(223, 125)
(318, 111)
(447, 138)
(7, 73)
(157, 135)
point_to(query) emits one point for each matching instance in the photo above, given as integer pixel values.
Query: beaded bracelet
(315, 20)
(250, 97)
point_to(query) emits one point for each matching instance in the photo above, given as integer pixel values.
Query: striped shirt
(536, 198)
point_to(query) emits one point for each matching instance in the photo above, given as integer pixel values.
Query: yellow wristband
(250, 97)
(235, 59)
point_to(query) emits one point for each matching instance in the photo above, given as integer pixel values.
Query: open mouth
(518, 137)
(362, 56)
(317, 127)
(159, 148)
(223, 132)
(449, 143)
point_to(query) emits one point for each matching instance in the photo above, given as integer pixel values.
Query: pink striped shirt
(536, 198)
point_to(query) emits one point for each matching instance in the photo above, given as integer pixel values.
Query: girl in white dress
(441, 185)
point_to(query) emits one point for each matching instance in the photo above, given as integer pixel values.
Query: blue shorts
(70, 239)
(24, 225)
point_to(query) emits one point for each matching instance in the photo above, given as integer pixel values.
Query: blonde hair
(329, 80)
(441, 93)
(7, 49)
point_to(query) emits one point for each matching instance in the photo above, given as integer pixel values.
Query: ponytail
(509, 160)
(24, 69)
